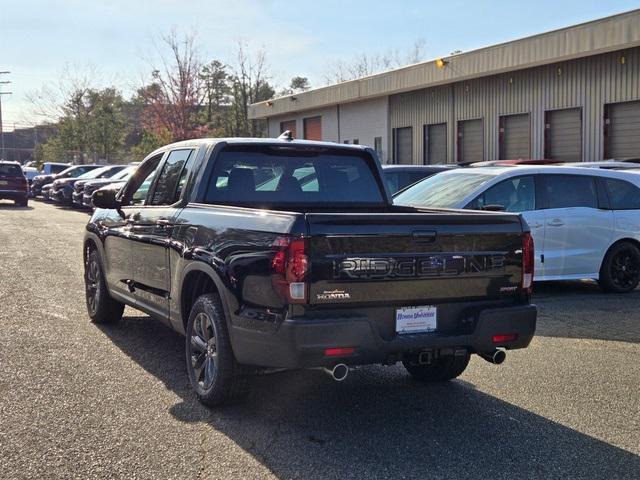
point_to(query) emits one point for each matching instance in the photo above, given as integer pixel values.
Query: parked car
(585, 222)
(84, 189)
(13, 183)
(48, 168)
(29, 172)
(63, 188)
(398, 177)
(53, 168)
(227, 242)
(70, 172)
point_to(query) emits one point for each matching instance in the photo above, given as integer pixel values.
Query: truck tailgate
(404, 259)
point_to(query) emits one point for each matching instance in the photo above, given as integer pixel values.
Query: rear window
(8, 170)
(285, 176)
(445, 190)
(622, 194)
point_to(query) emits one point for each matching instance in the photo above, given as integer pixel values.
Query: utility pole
(1, 130)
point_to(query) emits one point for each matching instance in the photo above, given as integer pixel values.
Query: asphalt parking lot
(84, 401)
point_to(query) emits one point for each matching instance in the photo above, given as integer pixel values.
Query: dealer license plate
(416, 319)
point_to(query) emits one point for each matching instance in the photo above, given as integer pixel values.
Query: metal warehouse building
(569, 94)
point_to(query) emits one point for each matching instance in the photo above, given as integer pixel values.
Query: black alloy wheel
(204, 352)
(100, 306)
(620, 272)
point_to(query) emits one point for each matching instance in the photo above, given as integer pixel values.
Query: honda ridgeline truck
(280, 254)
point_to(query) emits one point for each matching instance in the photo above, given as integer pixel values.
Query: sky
(118, 38)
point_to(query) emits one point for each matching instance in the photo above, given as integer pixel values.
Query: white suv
(585, 222)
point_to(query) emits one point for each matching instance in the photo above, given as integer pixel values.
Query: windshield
(278, 176)
(445, 190)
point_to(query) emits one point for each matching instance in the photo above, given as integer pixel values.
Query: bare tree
(365, 64)
(249, 84)
(174, 96)
(49, 103)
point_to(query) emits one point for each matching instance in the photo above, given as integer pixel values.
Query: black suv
(13, 183)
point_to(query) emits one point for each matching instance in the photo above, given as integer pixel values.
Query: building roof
(608, 34)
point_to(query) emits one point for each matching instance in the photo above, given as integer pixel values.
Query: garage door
(470, 141)
(563, 135)
(403, 145)
(622, 130)
(288, 125)
(436, 143)
(515, 137)
(313, 128)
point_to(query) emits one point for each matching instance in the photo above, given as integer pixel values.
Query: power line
(1, 130)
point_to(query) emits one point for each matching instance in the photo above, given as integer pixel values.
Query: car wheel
(439, 370)
(22, 203)
(620, 271)
(213, 371)
(100, 306)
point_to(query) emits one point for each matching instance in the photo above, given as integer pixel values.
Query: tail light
(289, 269)
(527, 261)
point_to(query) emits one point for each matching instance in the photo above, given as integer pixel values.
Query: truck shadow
(377, 424)
(582, 310)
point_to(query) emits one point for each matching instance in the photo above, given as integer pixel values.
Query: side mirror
(106, 198)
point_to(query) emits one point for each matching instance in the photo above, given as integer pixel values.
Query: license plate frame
(420, 319)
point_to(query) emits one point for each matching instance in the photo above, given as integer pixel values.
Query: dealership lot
(82, 401)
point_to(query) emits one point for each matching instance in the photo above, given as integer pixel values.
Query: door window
(566, 191)
(136, 191)
(514, 195)
(172, 178)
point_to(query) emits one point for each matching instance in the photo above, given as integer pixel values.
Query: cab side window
(172, 178)
(566, 191)
(136, 191)
(514, 195)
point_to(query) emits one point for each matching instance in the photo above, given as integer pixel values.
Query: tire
(100, 306)
(22, 203)
(620, 271)
(213, 371)
(440, 370)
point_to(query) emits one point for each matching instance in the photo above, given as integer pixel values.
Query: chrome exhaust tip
(496, 357)
(338, 372)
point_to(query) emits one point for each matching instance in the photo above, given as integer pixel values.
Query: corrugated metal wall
(588, 83)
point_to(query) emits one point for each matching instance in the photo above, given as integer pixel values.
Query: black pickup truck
(280, 254)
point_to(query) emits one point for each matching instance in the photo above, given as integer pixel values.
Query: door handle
(163, 222)
(556, 222)
(535, 225)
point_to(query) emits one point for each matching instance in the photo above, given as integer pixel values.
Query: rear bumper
(301, 343)
(13, 194)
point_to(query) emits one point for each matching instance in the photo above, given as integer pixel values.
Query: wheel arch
(198, 279)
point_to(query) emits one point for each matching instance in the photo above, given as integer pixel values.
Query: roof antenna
(286, 135)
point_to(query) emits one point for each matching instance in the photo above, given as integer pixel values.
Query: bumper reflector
(506, 337)
(338, 352)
